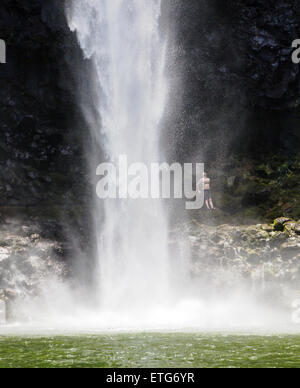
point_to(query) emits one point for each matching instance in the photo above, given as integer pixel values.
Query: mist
(160, 83)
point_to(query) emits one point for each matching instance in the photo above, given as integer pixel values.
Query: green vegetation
(258, 191)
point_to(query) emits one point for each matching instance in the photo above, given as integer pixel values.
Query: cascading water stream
(122, 39)
(147, 277)
(140, 285)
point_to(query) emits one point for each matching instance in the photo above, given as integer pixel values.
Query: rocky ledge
(28, 257)
(266, 255)
(263, 257)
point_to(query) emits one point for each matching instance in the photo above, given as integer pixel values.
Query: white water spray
(136, 274)
(122, 39)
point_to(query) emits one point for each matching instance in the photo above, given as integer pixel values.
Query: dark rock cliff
(233, 102)
(236, 104)
(41, 147)
(43, 171)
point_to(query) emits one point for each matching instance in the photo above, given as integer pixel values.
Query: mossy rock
(277, 237)
(289, 228)
(265, 171)
(3, 243)
(280, 222)
(292, 181)
(297, 228)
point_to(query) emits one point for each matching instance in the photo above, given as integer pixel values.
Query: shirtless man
(204, 184)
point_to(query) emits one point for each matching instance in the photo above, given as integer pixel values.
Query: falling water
(122, 39)
(140, 282)
(2, 312)
(135, 273)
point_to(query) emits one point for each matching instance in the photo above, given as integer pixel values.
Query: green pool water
(151, 350)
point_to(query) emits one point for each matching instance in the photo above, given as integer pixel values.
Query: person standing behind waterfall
(204, 184)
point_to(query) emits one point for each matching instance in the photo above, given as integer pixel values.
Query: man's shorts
(207, 195)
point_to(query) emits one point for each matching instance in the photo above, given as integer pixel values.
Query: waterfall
(122, 39)
(2, 312)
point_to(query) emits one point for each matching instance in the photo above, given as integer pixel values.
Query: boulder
(297, 228)
(289, 228)
(280, 222)
(267, 228)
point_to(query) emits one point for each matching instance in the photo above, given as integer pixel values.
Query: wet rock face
(265, 31)
(41, 147)
(234, 61)
(235, 102)
(229, 254)
(29, 259)
(230, 71)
